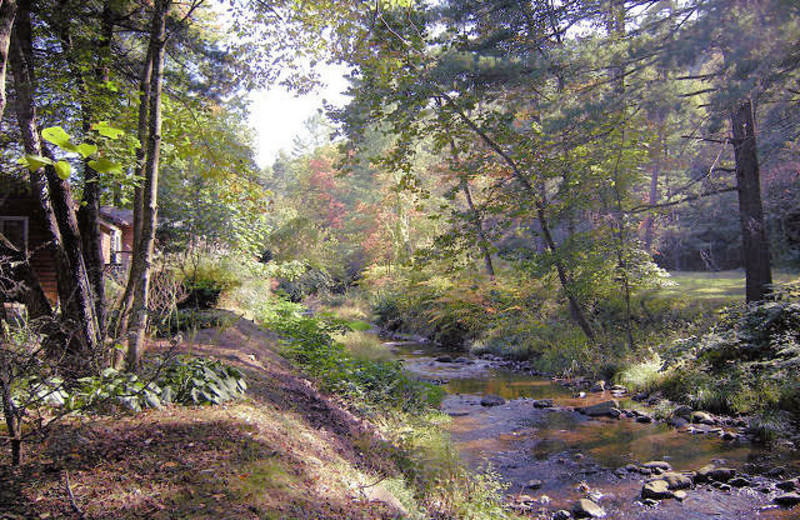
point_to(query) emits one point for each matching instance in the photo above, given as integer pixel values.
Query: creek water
(575, 456)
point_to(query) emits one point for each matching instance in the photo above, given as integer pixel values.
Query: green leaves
(57, 136)
(103, 165)
(106, 130)
(63, 169)
(34, 162)
(182, 380)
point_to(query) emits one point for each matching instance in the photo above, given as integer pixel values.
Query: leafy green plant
(182, 380)
(195, 381)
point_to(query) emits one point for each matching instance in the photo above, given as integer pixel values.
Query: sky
(277, 115)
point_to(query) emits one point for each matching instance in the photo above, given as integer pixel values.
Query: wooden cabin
(22, 223)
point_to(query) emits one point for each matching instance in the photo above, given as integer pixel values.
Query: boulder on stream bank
(585, 508)
(787, 499)
(712, 473)
(492, 400)
(608, 408)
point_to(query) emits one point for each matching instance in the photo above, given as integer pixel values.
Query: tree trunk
(755, 246)
(8, 11)
(89, 212)
(576, 309)
(55, 200)
(126, 304)
(143, 259)
(483, 242)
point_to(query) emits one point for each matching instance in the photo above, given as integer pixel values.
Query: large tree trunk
(126, 304)
(55, 201)
(143, 257)
(8, 11)
(755, 246)
(89, 213)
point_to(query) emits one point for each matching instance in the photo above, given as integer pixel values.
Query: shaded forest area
(601, 188)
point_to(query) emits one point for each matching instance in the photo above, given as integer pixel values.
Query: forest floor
(286, 451)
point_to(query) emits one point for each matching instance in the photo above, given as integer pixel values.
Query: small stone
(676, 480)
(683, 411)
(492, 400)
(534, 484)
(680, 496)
(740, 482)
(714, 474)
(657, 490)
(645, 419)
(641, 396)
(585, 508)
(445, 359)
(777, 471)
(677, 422)
(544, 403)
(786, 485)
(787, 499)
(608, 408)
(457, 413)
(721, 486)
(599, 386)
(619, 388)
(657, 464)
(649, 502)
(631, 467)
(729, 436)
(562, 514)
(702, 418)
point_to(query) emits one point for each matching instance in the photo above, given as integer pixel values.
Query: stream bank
(526, 428)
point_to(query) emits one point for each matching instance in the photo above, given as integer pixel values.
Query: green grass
(364, 346)
(716, 288)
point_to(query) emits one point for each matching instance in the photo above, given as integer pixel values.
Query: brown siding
(39, 251)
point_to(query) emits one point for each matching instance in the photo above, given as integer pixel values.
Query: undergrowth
(746, 363)
(344, 361)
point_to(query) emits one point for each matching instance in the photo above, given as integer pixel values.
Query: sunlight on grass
(719, 287)
(365, 346)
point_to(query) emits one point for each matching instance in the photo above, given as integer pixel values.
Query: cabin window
(15, 229)
(116, 246)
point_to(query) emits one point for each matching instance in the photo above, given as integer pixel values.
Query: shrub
(182, 380)
(206, 273)
(371, 384)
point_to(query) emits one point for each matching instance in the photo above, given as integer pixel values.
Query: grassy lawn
(720, 287)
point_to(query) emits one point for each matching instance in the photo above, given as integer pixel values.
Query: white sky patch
(277, 115)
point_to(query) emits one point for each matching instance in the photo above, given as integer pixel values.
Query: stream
(575, 456)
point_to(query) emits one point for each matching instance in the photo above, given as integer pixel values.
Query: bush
(371, 384)
(182, 380)
(207, 272)
(187, 320)
(747, 363)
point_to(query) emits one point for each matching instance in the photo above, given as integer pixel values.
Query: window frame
(16, 218)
